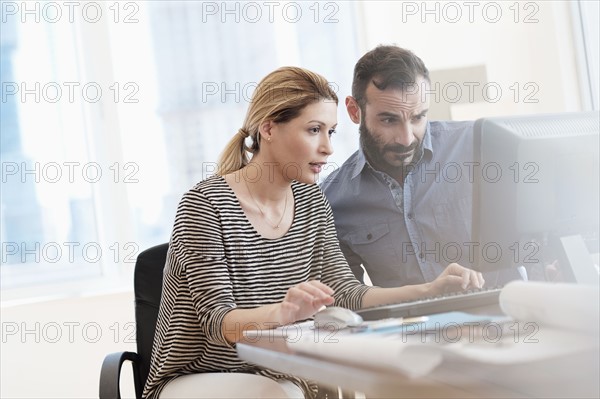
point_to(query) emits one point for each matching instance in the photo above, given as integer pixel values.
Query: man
(402, 202)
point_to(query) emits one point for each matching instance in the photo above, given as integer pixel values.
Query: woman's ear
(353, 109)
(265, 130)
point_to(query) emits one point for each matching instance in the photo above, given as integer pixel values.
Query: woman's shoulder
(211, 183)
(306, 188)
(309, 192)
(211, 187)
(210, 190)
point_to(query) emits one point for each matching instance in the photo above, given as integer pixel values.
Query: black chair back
(147, 281)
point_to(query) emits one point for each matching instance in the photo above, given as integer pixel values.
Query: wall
(55, 349)
(535, 52)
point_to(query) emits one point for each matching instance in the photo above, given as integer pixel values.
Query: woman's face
(300, 148)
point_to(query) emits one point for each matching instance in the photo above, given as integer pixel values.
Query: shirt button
(369, 236)
(421, 255)
(411, 216)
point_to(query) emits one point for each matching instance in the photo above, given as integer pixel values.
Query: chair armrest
(110, 375)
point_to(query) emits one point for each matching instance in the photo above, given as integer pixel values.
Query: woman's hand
(303, 301)
(454, 278)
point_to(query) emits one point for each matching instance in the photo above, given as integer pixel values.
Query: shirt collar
(427, 147)
(361, 160)
(359, 165)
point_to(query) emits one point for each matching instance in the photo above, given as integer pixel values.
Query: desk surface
(568, 376)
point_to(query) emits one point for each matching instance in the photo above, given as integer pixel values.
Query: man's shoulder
(452, 134)
(341, 174)
(450, 127)
(451, 141)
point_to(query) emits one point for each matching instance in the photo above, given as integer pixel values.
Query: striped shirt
(218, 262)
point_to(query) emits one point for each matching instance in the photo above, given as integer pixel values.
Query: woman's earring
(269, 139)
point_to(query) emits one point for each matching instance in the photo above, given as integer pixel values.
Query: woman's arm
(453, 278)
(304, 300)
(301, 302)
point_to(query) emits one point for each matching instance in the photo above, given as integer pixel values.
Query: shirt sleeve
(336, 272)
(198, 259)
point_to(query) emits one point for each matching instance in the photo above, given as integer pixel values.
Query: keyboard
(458, 301)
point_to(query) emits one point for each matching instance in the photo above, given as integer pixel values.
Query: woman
(255, 246)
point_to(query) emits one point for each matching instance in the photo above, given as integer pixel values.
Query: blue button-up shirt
(408, 234)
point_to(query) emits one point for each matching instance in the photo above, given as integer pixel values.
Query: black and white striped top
(217, 261)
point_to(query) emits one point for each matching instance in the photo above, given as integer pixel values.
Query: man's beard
(375, 151)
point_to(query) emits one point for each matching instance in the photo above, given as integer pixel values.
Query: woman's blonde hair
(279, 97)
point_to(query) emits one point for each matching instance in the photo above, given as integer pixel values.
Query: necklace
(275, 227)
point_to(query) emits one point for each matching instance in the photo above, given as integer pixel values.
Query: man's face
(392, 125)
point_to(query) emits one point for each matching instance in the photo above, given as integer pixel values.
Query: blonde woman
(255, 247)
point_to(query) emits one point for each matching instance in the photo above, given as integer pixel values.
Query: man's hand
(553, 272)
(303, 301)
(454, 278)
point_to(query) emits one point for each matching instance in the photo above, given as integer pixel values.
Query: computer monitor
(537, 197)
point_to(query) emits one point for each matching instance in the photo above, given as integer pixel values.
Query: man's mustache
(401, 149)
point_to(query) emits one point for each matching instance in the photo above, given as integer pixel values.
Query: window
(586, 23)
(112, 110)
(49, 224)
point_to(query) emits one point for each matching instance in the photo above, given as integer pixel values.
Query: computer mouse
(337, 316)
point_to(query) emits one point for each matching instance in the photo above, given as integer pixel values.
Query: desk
(568, 376)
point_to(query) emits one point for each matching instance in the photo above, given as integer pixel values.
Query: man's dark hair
(386, 66)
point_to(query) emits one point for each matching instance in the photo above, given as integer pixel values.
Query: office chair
(147, 286)
(147, 283)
